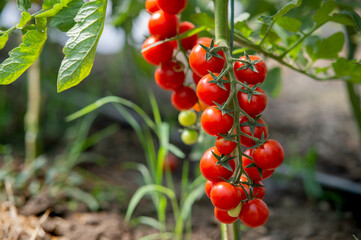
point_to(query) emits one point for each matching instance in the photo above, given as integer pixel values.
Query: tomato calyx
(252, 124)
(223, 109)
(260, 170)
(248, 64)
(211, 51)
(250, 90)
(223, 160)
(219, 80)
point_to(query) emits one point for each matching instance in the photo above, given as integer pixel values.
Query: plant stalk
(32, 112)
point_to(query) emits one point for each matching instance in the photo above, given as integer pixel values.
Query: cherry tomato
(209, 168)
(214, 122)
(189, 136)
(158, 54)
(170, 163)
(163, 25)
(189, 42)
(249, 76)
(199, 64)
(184, 98)
(172, 6)
(257, 104)
(224, 217)
(204, 39)
(210, 92)
(187, 118)
(254, 213)
(200, 106)
(170, 76)
(258, 192)
(257, 132)
(253, 172)
(269, 156)
(196, 78)
(225, 196)
(225, 146)
(208, 187)
(151, 5)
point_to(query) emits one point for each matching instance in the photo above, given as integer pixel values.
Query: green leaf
(55, 9)
(49, 4)
(342, 19)
(22, 57)
(327, 48)
(23, 5)
(202, 19)
(355, 17)
(273, 82)
(322, 14)
(285, 9)
(289, 23)
(3, 39)
(64, 19)
(243, 28)
(25, 18)
(80, 48)
(347, 70)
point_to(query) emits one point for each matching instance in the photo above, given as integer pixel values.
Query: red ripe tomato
(254, 213)
(163, 25)
(189, 42)
(257, 104)
(269, 156)
(171, 162)
(157, 54)
(225, 146)
(258, 192)
(214, 122)
(199, 64)
(249, 76)
(196, 78)
(224, 217)
(204, 39)
(172, 6)
(210, 92)
(257, 132)
(170, 76)
(208, 187)
(209, 168)
(225, 196)
(151, 5)
(253, 172)
(184, 98)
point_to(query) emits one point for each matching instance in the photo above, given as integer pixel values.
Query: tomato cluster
(243, 154)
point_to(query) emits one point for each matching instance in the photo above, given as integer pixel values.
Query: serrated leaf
(22, 57)
(80, 48)
(327, 48)
(55, 9)
(347, 70)
(273, 82)
(289, 23)
(3, 40)
(322, 14)
(202, 19)
(49, 4)
(23, 5)
(64, 19)
(285, 9)
(25, 18)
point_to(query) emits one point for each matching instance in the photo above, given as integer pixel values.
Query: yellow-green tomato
(189, 136)
(235, 211)
(187, 118)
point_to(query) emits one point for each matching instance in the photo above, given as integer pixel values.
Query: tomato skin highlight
(225, 196)
(257, 133)
(189, 42)
(172, 6)
(159, 54)
(199, 64)
(210, 92)
(253, 171)
(214, 122)
(224, 217)
(184, 98)
(269, 156)
(210, 170)
(225, 146)
(254, 213)
(170, 76)
(151, 5)
(163, 25)
(257, 104)
(208, 187)
(247, 75)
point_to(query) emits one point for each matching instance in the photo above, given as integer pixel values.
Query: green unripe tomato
(189, 136)
(235, 211)
(187, 118)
